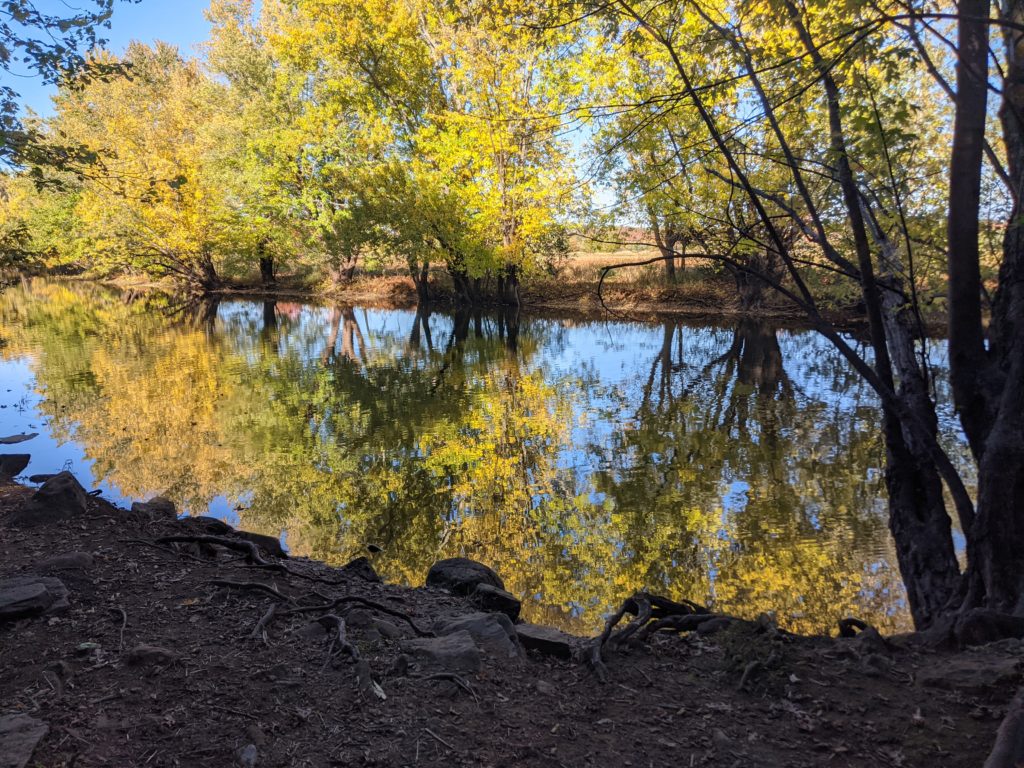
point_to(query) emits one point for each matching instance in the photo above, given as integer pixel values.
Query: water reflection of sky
(603, 370)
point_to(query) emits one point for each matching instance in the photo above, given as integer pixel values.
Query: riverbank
(149, 640)
(634, 294)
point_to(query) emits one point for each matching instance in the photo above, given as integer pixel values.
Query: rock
(713, 626)
(69, 561)
(19, 736)
(25, 596)
(41, 478)
(389, 630)
(971, 674)
(247, 756)
(450, 653)
(12, 464)
(146, 655)
(490, 598)
(493, 632)
(461, 575)
(59, 498)
(268, 544)
(157, 508)
(23, 601)
(373, 549)
(547, 640)
(362, 568)
(12, 439)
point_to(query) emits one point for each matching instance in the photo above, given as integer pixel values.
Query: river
(738, 465)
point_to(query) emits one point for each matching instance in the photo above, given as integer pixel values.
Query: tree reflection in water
(582, 460)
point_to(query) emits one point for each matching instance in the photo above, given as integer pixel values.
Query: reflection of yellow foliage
(340, 450)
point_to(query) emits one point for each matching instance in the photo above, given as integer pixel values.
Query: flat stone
(41, 478)
(971, 674)
(59, 498)
(157, 508)
(493, 632)
(12, 464)
(69, 561)
(547, 640)
(24, 601)
(456, 652)
(268, 544)
(493, 599)
(362, 568)
(461, 575)
(25, 596)
(146, 655)
(19, 736)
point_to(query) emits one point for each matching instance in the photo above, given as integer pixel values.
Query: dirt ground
(218, 695)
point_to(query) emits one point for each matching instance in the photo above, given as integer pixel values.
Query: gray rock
(12, 439)
(150, 655)
(268, 544)
(451, 653)
(69, 561)
(547, 640)
(157, 508)
(41, 478)
(12, 464)
(59, 498)
(461, 575)
(971, 674)
(493, 632)
(490, 598)
(362, 568)
(19, 736)
(25, 596)
(389, 630)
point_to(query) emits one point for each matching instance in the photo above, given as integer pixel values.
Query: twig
(452, 677)
(124, 623)
(260, 630)
(435, 736)
(254, 585)
(233, 711)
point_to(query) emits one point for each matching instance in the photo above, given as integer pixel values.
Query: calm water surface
(735, 465)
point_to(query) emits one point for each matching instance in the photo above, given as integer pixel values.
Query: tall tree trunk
(267, 270)
(508, 286)
(664, 247)
(420, 278)
(995, 543)
(967, 356)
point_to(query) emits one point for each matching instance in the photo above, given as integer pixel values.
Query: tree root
(354, 599)
(1008, 751)
(653, 613)
(253, 585)
(250, 550)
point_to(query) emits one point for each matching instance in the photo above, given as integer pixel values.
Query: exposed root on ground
(652, 613)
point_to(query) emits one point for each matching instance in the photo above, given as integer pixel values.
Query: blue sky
(179, 22)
